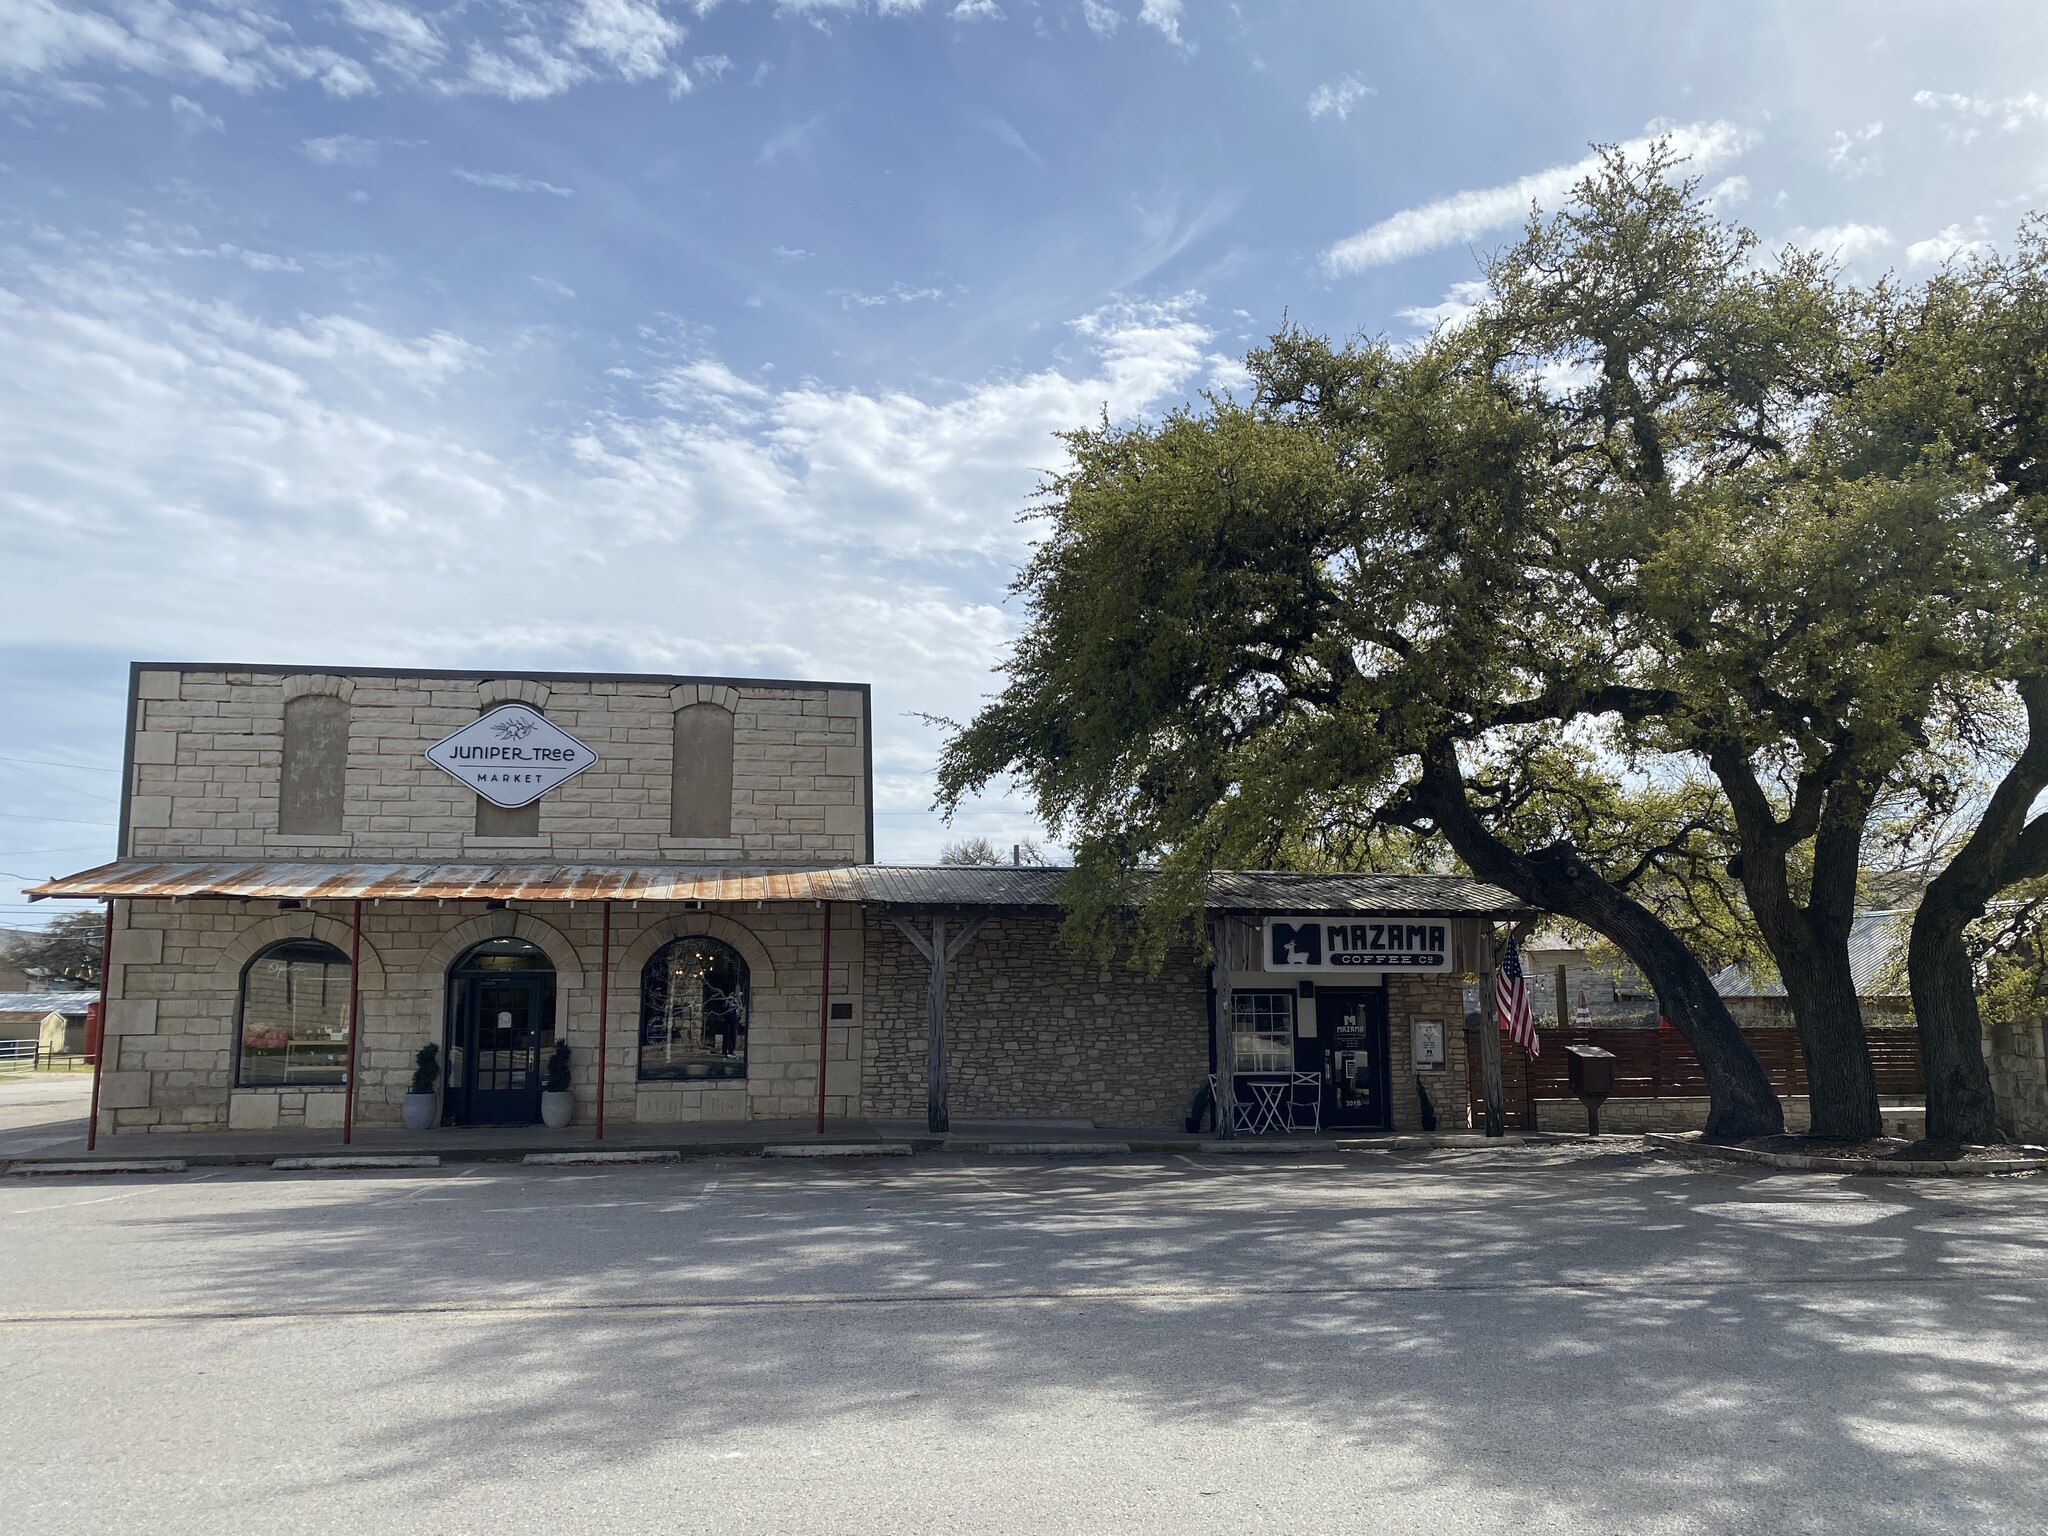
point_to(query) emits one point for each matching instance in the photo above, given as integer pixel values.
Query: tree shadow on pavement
(1580, 1342)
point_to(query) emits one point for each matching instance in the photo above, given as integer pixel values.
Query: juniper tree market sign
(512, 756)
(1332, 945)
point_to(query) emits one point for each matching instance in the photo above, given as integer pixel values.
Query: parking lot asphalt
(1527, 1340)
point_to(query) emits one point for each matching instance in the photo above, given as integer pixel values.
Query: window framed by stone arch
(312, 785)
(695, 1006)
(291, 1016)
(700, 779)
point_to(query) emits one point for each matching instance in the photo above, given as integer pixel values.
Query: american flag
(1511, 1001)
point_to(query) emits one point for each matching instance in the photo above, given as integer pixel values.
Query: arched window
(294, 1016)
(313, 778)
(693, 1011)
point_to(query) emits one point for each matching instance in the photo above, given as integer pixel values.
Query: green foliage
(2011, 949)
(555, 1076)
(426, 1069)
(1640, 545)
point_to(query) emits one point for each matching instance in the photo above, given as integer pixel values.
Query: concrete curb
(1799, 1162)
(141, 1165)
(1046, 1149)
(843, 1149)
(651, 1155)
(349, 1164)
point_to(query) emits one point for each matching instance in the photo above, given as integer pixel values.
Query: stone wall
(177, 972)
(1035, 1031)
(1680, 1113)
(2018, 1059)
(208, 753)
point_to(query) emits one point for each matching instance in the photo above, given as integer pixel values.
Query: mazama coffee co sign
(511, 756)
(1328, 944)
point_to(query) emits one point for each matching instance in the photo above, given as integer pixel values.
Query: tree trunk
(1810, 943)
(1960, 1104)
(1839, 1077)
(1741, 1103)
(2001, 850)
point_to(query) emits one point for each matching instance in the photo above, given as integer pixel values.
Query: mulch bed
(1890, 1149)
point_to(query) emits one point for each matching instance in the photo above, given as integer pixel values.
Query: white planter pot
(557, 1109)
(419, 1111)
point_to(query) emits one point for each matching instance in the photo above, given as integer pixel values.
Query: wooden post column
(939, 949)
(1223, 1106)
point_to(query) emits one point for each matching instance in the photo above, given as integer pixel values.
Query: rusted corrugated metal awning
(1249, 892)
(296, 880)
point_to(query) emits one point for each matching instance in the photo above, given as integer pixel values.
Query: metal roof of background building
(40, 1003)
(1877, 961)
(899, 885)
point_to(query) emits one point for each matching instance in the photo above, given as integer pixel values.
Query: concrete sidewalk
(481, 1144)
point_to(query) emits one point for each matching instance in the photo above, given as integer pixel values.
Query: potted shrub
(419, 1099)
(557, 1103)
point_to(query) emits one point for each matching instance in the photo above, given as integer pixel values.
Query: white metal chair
(1305, 1102)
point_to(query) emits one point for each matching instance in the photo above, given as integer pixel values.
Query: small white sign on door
(512, 756)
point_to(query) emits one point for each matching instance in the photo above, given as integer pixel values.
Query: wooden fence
(1659, 1063)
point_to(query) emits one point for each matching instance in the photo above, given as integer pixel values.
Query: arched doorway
(501, 1019)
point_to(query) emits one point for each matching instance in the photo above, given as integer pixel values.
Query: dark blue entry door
(494, 1049)
(1356, 1069)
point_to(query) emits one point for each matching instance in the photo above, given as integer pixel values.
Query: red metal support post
(604, 1011)
(355, 1001)
(99, 1057)
(824, 1017)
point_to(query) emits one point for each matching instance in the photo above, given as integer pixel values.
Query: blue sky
(732, 337)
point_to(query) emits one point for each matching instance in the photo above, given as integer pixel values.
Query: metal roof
(40, 1003)
(294, 880)
(1877, 961)
(900, 885)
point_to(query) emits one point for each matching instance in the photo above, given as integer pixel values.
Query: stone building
(320, 873)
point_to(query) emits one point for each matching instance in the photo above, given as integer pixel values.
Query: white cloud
(633, 36)
(194, 118)
(1464, 215)
(1952, 244)
(405, 40)
(1728, 193)
(206, 482)
(977, 10)
(899, 293)
(1971, 113)
(1163, 14)
(1842, 242)
(1103, 20)
(505, 181)
(1852, 154)
(1338, 100)
(340, 149)
(244, 47)
(791, 253)
(1453, 310)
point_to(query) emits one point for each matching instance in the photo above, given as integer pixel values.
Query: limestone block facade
(1034, 1030)
(207, 746)
(174, 990)
(304, 900)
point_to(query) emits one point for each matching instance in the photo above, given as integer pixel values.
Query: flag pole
(1489, 1034)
